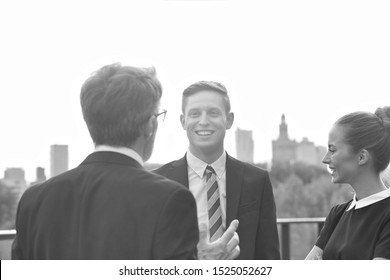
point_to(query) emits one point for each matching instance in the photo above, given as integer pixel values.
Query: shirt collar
(357, 204)
(199, 166)
(122, 150)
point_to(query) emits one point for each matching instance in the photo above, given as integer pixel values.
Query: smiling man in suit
(110, 207)
(225, 188)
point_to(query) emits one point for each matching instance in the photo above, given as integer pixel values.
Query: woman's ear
(364, 156)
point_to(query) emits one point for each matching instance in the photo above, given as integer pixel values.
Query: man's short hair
(117, 101)
(206, 85)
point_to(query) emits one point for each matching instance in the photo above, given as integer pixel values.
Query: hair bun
(384, 115)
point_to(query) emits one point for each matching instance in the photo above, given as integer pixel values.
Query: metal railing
(7, 234)
(284, 224)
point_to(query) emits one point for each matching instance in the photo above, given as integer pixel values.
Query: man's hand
(224, 248)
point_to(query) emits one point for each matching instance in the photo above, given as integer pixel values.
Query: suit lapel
(234, 180)
(179, 172)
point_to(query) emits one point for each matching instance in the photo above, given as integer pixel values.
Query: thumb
(229, 233)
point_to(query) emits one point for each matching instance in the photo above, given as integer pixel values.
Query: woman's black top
(357, 229)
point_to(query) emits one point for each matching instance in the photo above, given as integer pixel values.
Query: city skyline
(49, 166)
(311, 61)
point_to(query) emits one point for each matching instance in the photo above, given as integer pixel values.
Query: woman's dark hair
(364, 130)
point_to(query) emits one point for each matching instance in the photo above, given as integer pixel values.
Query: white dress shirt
(197, 185)
(122, 150)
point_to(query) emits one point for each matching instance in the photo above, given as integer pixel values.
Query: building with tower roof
(289, 151)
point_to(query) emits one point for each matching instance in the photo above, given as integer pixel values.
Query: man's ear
(364, 156)
(150, 127)
(182, 121)
(229, 120)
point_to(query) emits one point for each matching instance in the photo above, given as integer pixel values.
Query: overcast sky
(314, 61)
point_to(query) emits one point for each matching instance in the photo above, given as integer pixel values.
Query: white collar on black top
(357, 204)
(122, 150)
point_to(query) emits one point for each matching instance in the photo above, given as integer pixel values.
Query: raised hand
(225, 248)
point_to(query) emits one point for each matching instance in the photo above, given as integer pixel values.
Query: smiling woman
(359, 150)
(340, 157)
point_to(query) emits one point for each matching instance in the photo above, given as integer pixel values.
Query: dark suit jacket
(109, 207)
(249, 198)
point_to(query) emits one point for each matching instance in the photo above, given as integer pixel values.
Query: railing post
(285, 241)
(320, 226)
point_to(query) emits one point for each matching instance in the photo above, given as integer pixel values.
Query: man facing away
(225, 188)
(110, 207)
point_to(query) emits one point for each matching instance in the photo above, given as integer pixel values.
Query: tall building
(287, 151)
(244, 145)
(41, 174)
(15, 179)
(14, 175)
(41, 177)
(58, 159)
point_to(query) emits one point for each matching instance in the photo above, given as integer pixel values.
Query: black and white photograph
(203, 130)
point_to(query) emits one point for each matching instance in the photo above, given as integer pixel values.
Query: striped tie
(214, 205)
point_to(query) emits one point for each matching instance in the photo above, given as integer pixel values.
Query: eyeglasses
(160, 116)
